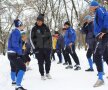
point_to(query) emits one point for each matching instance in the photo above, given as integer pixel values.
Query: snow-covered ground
(62, 79)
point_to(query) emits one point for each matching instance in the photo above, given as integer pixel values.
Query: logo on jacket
(38, 31)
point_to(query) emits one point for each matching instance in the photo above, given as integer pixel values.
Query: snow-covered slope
(62, 79)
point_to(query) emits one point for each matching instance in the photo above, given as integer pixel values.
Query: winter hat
(18, 23)
(94, 3)
(40, 17)
(67, 23)
(56, 32)
(88, 17)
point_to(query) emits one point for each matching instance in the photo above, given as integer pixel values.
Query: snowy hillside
(62, 79)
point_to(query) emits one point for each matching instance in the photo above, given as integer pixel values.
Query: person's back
(15, 44)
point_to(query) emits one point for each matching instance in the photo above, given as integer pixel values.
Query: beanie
(94, 3)
(17, 23)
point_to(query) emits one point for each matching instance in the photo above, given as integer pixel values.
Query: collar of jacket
(17, 29)
(69, 28)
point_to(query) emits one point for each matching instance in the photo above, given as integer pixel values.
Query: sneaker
(89, 70)
(75, 65)
(13, 83)
(48, 76)
(99, 83)
(77, 68)
(69, 67)
(65, 63)
(43, 78)
(59, 62)
(20, 88)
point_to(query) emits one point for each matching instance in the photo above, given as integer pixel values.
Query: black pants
(26, 58)
(105, 55)
(89, 53)
(59, 54)
(65, 56)
(72, 52)
(100, 50)
(52, 54)
(16, 63)
(44, 57)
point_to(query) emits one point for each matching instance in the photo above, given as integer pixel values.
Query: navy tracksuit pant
(101, 50)
(72, 52)
(16, 63)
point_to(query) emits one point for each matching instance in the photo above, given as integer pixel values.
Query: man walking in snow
(41, 42)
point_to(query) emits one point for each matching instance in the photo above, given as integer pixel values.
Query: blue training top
(15, 42)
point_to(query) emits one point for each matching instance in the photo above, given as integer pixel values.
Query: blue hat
(88, 17)
(94, 3)
(17, 23)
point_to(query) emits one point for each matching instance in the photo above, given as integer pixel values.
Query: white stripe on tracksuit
(31, 41)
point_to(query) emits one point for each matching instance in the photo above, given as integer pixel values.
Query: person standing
(41, 41)
(88, 30)
(26, 49)
(70, 38)
(59, 47)
(101, 34)
(15, 55)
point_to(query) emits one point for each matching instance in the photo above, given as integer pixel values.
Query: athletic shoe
(89, 70)
(59, 62)
(65, 63)
(13, 83)
(48, 76)
(69, 67)
(20, 88)
(75, 65)
(99, 83)
(77, 68)
(43, 78)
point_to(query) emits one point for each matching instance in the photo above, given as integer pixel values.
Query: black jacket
(40, 37)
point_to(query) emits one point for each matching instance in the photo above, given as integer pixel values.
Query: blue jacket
(70, 36)
(100, 21)
(15, 42)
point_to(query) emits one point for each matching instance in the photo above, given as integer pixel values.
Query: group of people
(64, 43)
(44, 45)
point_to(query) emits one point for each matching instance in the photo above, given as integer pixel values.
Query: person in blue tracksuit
(101, 34)
(15, 55)
(70, 38)
(88, 30)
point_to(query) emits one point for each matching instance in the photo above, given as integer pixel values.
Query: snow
(62, 79)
